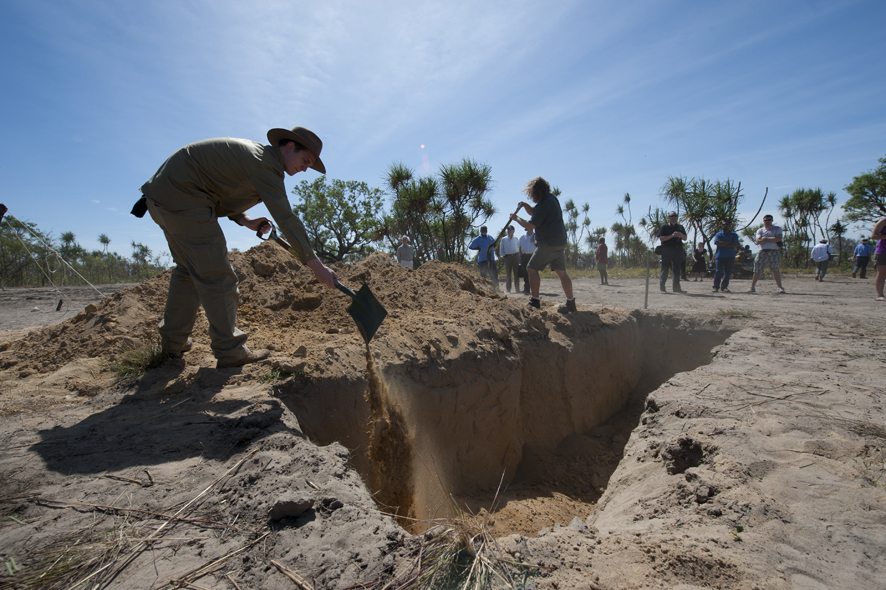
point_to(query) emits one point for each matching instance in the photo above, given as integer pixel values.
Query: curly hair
(537, 189)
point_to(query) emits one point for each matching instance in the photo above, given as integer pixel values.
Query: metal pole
(646, 300)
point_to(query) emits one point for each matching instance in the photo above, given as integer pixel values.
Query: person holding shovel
(550, 236)
(223, 178)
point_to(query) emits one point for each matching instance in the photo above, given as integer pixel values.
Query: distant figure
(671, 235)
(486, 256)
(726, 241)
(699, 262)
(768, 238)
(404, 253)
(527, 249)
(862, 257)
(879, 233)
(821, 256)
(547, 220)
(509, 252)
(601, 256)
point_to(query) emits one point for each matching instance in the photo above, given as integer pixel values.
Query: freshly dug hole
(548, 410)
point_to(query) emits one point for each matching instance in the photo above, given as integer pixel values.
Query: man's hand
(259, 224)
(322, 273)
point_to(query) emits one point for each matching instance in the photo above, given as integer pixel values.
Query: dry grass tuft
(138, 360)
(736, 313)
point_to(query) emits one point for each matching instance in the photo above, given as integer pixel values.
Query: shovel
(366, 310)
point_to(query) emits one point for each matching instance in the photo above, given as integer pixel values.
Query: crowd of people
(729, 258)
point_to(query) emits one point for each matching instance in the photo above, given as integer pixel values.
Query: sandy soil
(712, 440)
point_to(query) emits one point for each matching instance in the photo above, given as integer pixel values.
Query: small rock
(715, 512)
(291, 505)
(702, 494)
(301, 351)
(579, 526)
(91, 308)
(290, 367)
(36, 309)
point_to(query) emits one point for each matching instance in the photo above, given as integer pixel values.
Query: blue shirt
(725, 236)
(482, 243)
(863, 251)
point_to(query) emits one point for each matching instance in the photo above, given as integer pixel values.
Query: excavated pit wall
(420, 431)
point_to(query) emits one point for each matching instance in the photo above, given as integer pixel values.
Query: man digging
(200, 183)
(550, 235)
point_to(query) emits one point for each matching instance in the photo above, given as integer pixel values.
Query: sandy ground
(754, 460)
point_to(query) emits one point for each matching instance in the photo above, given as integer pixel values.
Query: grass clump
(277, 374)
(138, 360)
(460, 554)
(736, 313)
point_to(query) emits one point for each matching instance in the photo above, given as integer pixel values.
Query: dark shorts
(881, 259)
(545, 255)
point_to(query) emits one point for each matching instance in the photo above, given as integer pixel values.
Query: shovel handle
(349, 292)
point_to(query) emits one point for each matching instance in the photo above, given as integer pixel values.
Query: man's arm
(525, 224)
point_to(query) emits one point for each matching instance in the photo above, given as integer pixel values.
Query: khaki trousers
(203, 275)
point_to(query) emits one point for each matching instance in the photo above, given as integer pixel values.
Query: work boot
(570, 306)
(252, 357)
(853, 274)
(185, 348)
(533, 302)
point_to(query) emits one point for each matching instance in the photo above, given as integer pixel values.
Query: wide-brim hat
(303, 137)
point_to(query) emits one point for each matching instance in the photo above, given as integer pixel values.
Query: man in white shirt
(527, 249)
(404, 253)
(821, 255)
(509, 251)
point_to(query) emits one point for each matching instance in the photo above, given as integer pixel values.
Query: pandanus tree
(438, 214)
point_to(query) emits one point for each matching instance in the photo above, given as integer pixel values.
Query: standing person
(601, 256)
(768, 238)
(671, 235)
(486, 256)
(879, 233)
(509, 252)
(862, 257)
(527, 249)
(726, 242)
(405, 253)
(547, 220)
(200, 183)
(821, 255)
(699, 261)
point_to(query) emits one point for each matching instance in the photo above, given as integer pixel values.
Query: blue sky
(601, 98)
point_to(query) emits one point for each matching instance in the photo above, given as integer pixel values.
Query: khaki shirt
(231, 176)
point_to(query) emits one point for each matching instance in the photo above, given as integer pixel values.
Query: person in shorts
(768, 238)
(550, 236)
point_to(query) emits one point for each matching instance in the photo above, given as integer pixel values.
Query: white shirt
(526, 243)
(508, 246)
(821, 252)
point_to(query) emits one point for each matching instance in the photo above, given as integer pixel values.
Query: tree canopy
(868, 195)
(438, 213)
(341, 218)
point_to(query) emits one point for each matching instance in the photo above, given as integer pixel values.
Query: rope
(58, 257)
